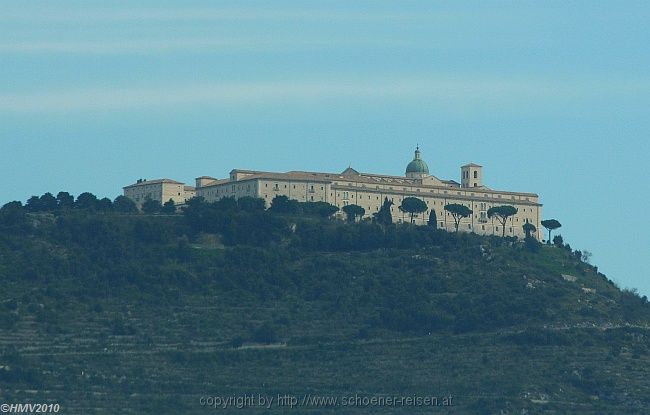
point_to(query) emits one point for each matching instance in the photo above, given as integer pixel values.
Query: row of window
(466, 174)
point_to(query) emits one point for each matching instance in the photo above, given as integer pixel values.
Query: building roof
(364, 178)
(350, 172)
(368, 178)
(215, 182)
(189, 188)
(244, 171)
(155, 181)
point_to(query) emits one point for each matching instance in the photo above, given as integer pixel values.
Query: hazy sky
(551, 97)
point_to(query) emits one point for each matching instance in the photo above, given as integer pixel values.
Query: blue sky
(551, 97)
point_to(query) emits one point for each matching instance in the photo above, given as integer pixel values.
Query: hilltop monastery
(367, 190)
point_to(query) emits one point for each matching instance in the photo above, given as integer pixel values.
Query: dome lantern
(417, 168)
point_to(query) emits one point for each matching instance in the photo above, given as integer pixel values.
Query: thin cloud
(139, 46)
(451, 92)
(201, 14)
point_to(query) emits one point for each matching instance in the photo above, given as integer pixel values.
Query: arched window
(475, 174)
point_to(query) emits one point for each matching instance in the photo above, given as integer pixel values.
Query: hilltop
(104, 312)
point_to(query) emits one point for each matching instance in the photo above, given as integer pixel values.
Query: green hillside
(110, 312)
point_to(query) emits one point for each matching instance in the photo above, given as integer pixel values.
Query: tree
(151, 206)
(33, 204)
(15, 205)
(265, 334)
(123, 204)
(12, 214)
(354, 211)
(558, 241)
(529, 229)
(502, 213)
(531, 243)
(551, 225)
(225, 204)
(250, 204)
(322, 209)
(86, 200)
(169, 208)
(48, 202)
(325, 209)
(433, 219)
(383, 216)
(413, 205)
(458, 212)
(65, 200)
(196, 202)
(282, 204)
(104, 204)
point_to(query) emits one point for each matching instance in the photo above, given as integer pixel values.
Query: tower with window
(471, 175)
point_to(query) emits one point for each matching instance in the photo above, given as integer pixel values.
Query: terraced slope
(134, 314)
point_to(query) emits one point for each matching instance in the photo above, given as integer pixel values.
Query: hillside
(106, 312)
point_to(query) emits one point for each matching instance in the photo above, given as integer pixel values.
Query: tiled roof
(366, 178)
(215, 182)
(155, 181)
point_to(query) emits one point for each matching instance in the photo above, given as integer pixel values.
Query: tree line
(281, 204)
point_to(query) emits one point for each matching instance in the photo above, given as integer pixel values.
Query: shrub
(265, 334)
(237, 342)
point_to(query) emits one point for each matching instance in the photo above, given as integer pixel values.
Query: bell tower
(471, 175)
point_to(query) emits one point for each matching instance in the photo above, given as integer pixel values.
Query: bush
(237, 342)
(7, 320)
(120, 328)
(151, 206)
(532, 244)
(264, 334)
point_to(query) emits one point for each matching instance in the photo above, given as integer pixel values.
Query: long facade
(369, 191)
